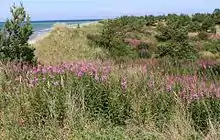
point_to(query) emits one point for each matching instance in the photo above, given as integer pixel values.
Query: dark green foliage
(143, 50)
(208, 24)
(199, 17)
(105, 101)
(194, 26)
(211, 71)
(177, 51)
(113, 37)
(203, 35)
(172, 36)
(212, 46)
(150, 20)
(165, 33)
(174, 43)
(16, 33)
(162, 108)
(216, 16)
(204, 111)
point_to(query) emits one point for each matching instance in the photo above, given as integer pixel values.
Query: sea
(43, 27)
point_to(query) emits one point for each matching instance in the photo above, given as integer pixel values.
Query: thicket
(128, 36)
(174, 43)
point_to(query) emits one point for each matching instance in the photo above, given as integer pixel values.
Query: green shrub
(143, 50)
(174, 43)
(212, 46)
(112, 39)
(208, 24)
(16, 33)
(194, 27)
(203, 35)
(177, 51)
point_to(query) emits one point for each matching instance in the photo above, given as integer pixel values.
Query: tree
(16, 33)
(174, 43)
(208, 24)
(216, 16)
(199, 17)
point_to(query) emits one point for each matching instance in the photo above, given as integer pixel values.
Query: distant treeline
(195, 23)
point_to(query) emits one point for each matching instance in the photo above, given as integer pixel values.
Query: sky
(100, 9)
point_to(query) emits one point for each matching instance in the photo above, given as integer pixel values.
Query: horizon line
(64, 20)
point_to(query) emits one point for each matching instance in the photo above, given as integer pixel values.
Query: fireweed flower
(80, 73)
(44, 70)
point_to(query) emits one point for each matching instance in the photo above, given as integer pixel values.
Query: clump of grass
(64, 44)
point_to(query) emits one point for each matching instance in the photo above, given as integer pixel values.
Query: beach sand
(45, 34)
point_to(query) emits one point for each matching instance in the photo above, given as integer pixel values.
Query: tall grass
(65, 43)
(74, 95)
(90, 100)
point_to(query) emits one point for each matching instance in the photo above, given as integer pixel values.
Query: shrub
(194, 27)
(174, 43)
(143, 50)
(212, 46)
(177, 51)
(208, 24)
(16, 33)
(112, 39)
(203, 35)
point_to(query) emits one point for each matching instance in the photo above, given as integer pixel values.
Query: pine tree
(15, 36)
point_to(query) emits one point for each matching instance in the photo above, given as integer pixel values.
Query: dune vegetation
(149, 77)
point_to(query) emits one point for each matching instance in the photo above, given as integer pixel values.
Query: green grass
(64, 44)
(82, 108)
(66, 106)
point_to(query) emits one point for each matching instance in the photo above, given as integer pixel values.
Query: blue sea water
(42, 27)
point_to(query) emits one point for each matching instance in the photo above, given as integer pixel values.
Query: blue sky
(84, 9)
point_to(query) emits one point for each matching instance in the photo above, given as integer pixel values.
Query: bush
(174, 43)
(143, 50)
(16, 33)
(112, 39)
(212, 46)
(203, 35)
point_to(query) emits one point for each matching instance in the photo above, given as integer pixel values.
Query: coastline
(45, 34)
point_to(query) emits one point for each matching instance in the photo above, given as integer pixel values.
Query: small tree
(208, 24)
(16, 33)
(216, 16)
(174, 43)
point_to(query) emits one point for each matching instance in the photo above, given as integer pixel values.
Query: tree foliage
(174, 43)
(15, 35)
(216, 16)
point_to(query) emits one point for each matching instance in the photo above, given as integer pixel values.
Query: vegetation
(14, 37)
(63, 41)
(77, 91)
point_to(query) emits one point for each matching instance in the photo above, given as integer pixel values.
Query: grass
(129, 103)
(75, 95)
(65, 44)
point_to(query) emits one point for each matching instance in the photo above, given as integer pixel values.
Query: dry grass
(208, 55)
(65, 43)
